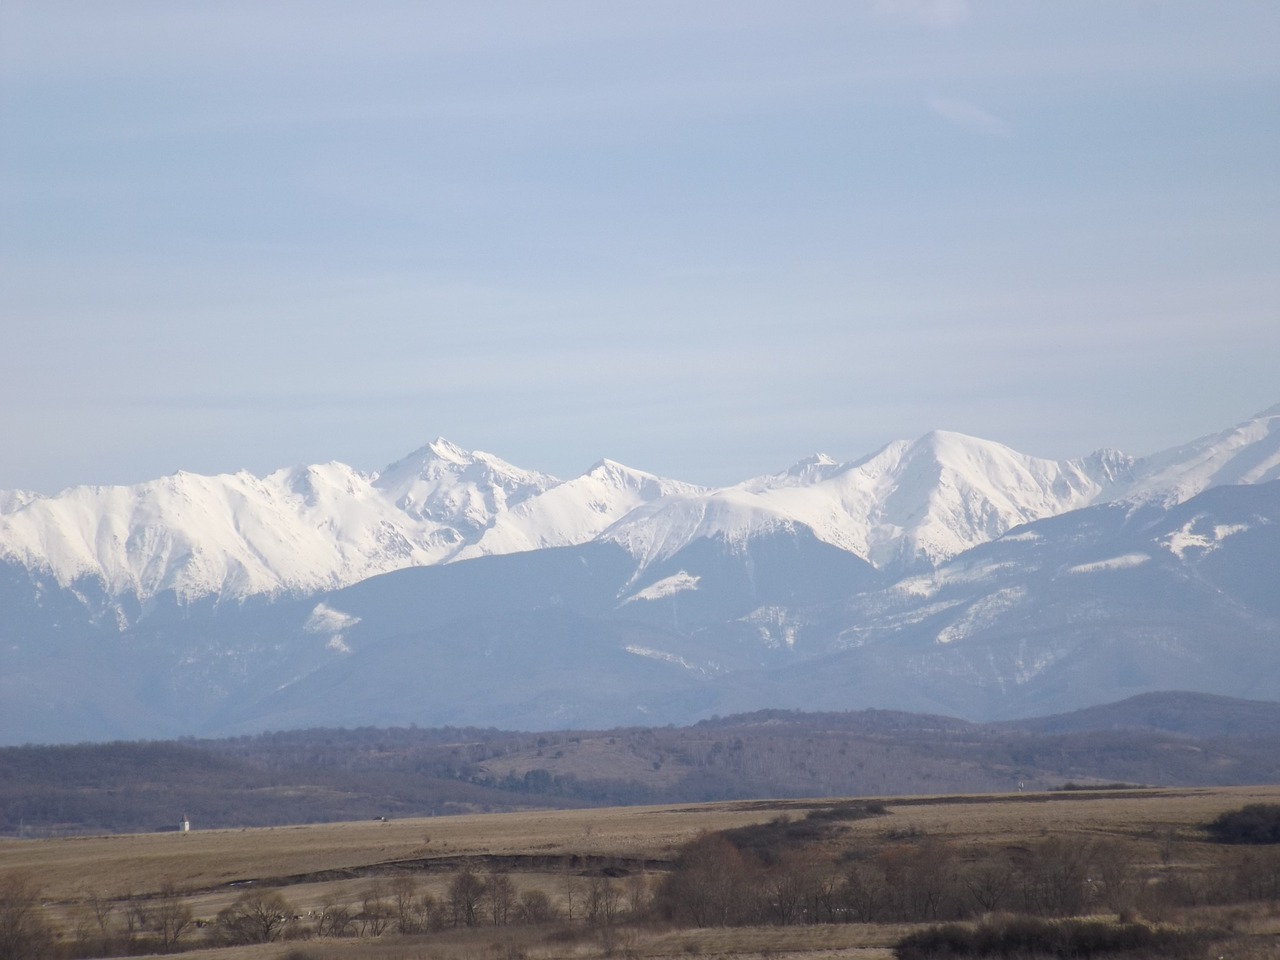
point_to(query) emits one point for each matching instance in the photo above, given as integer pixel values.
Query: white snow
(1223, 530)
(664, 657)
(445, 484)
(1114, 563)
(1249, 452)
(325, 619)
(927, 584)
(1180, 541)
(666, 587)
(775, 626)
(575, 511)
(1022, 536)
(910, 502)
(982, 613)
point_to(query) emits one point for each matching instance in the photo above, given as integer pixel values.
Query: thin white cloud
(969, 116)
(928, 13)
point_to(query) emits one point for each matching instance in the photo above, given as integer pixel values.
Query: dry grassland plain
(544, 850)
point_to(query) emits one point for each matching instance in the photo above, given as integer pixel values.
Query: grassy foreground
(566, 855)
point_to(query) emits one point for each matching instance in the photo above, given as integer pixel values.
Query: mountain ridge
(909, 505)
(464, 589)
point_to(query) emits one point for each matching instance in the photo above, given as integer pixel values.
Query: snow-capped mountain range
(946, 574)
(299, 530)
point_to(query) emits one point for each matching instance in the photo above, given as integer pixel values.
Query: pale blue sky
(705, 239)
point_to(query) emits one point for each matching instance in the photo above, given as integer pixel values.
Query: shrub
(1022, 936)
(1255, 823)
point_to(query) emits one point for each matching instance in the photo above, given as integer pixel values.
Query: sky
(703, 239)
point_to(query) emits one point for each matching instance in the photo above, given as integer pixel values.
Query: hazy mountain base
(334, 774)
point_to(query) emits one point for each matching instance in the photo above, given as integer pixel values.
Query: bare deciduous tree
(336, 919)
(256, 916)
(169, 917)
(466, 893)
(988, 882)
(710, 886)
(376, 910)
(571, 884)
(535, 907)
(25, 934)
(604, 902)
(637, 893)
(500, 894)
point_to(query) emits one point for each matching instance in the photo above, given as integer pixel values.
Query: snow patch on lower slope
(1180, 541)
(666, 587)
(887, 622)
(1032, 661)
(661, 655)
(1022, 536)
(1124, 562)
(982, 614)
(956, 574)
(776, 625)
(326, 620)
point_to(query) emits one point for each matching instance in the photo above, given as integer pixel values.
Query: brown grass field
(309, 863)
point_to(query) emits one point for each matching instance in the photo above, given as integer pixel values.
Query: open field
(200, 860)
(557, 851)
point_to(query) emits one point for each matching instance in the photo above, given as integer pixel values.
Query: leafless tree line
(165, 922)
(716, 884)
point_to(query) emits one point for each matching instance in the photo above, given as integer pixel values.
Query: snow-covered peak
(811, 469)
(927, 499)
(1108, 467)
(662, 528)
(11, 500)
(576, 511)
(446, 484)
(1249, 452)
(910, 503)
(618, 476)
(231, 536)
(442, 449)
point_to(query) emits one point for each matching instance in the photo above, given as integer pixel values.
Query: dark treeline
(340, 774)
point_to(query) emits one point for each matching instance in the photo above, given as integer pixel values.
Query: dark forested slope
(340, 774)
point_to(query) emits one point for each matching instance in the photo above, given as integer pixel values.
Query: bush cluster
(1255, 823)
(1021, 936)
